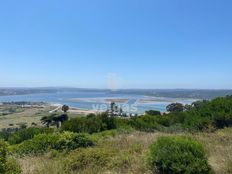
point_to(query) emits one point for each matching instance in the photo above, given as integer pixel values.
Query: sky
(116, 43)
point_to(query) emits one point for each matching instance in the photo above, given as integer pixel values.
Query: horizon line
(70, 87)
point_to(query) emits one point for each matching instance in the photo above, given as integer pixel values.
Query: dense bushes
(174, 155)
(3, 153)
(153, 112)
(204, 115)
(90, 158)
(12, 167)
(144, 123)
(175, 107)
(151, 123)
(26, 134)
(217, 113)
(7, 132)
(7, 165)
(58, 141)
(70, 141)
(90, 124)
(201, 115)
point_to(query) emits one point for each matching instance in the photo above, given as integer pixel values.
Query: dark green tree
(153, 112)
(58, 120)
(65, 108)
(54, 120)
(175, 107)
(47, 120)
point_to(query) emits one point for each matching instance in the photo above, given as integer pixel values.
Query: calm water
(89, 100)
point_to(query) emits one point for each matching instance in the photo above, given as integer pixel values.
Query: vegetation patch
(58, 141)
(90, 124)
(26, 134)
(174, 155)
(7, 165)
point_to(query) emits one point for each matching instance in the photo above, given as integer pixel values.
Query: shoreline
(72, 109)
(99, 100)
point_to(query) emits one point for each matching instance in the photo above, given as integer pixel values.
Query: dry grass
(219, 147)
(123, 154)
(40, 165)
(126, 153)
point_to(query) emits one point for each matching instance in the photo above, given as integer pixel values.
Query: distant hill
(24, 91)
(170, 93)
(178, 93)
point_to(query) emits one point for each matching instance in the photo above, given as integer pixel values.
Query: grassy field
(126, 153)
(12, 116)
(115, 151)
(23, 115)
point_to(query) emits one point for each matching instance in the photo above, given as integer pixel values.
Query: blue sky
(130, 43)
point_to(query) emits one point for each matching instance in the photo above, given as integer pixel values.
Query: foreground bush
(3, 153)
(70, 141)
(7, 165)
(26, 134)
(144, 123)
(90, 124)
(44, 142)
(12, 167)
(176, 155)
(92, 160)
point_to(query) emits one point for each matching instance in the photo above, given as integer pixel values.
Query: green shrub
(39, 144)
(144, 123)
(3, 153)
(198, 123)
(6, 133)
(44, 142)
(122, 123)
(90, 124)
(110, 122)
(176, 155)
(26, 134)
(71, 141)
(217, 111)
(83, 124)
(7, 165)
(177, 118)
(153, 112)
(163, 120)
(90, 158)
(12, 167)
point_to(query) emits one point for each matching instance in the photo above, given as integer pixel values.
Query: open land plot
(26, 116)
(126, 153)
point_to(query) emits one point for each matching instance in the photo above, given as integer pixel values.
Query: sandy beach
(151, 100)
(117, 100)
(74, 110)
(81, 111)
(99, 100)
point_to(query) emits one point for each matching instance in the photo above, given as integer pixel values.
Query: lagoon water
(92, 100)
